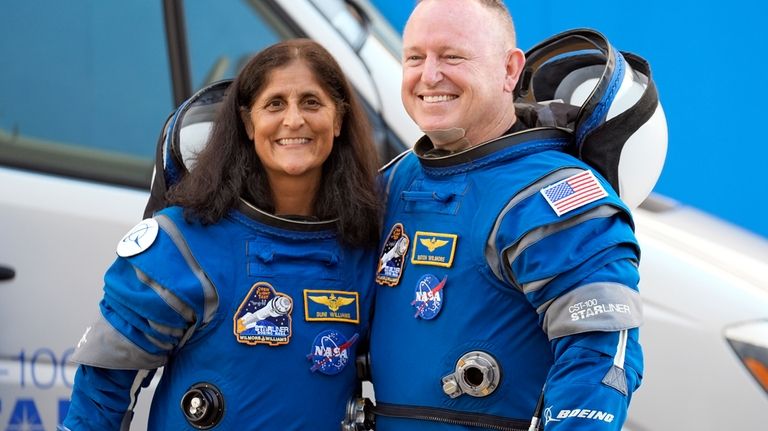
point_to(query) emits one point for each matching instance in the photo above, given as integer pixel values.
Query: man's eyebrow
(441, 48)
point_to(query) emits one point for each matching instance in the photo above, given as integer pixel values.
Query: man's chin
(432, 123)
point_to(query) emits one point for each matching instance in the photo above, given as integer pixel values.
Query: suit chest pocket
(437, 197)
(313, 260)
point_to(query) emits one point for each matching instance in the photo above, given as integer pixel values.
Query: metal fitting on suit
(359, 416)
(477, 374)
(203, 405)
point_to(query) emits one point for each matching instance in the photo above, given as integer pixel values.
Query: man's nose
(432, 72)
(293, 117)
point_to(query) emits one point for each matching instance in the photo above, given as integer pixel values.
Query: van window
(85, 88)
(222, 36)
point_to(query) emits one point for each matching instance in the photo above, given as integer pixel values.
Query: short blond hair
(502, 12)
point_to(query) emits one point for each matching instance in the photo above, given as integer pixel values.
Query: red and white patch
(573, 192)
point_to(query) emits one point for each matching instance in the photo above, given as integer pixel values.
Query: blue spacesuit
(520, 270)
(255, 319)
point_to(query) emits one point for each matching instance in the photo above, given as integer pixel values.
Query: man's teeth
(441, 98)
(292, 141)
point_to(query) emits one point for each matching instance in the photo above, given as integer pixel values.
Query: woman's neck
(294, 195)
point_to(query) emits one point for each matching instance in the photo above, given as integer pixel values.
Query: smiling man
(458, 81)
(506, 234)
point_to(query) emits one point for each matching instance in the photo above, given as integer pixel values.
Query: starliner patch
(392, 259)
(573, 192)
(138, 239)
(330, 352)
(430, 248)
(264, 317)
(331, 306)
(592, 307)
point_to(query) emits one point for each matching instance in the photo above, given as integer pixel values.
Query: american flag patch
(573, 192)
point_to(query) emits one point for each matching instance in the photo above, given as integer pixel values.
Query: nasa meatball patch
(330, 352)
(429, 296)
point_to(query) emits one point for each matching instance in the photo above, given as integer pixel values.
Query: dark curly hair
(228, 168)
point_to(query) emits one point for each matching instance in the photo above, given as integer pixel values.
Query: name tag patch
(431, 248)
(331, 306)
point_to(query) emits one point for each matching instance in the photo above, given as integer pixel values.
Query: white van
(83, 96)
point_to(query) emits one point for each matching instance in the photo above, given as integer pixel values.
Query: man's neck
(450, 141)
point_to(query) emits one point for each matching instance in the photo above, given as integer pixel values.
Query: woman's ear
(337, 121)
(245, 115)
(337, 125)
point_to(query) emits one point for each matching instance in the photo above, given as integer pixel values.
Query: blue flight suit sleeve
(152, 303)
(577, 396)
(579, 271)
(150, 307)
(101, 398)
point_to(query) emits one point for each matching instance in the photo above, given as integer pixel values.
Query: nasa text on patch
(431, 248)
(330, 352)
(429, 296)
(331, 306)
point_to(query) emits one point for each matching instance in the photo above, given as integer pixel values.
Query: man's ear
(514, 64)
(245, 115)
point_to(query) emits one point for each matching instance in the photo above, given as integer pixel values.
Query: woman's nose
(293, 117)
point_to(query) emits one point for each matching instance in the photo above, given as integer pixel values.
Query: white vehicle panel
(387, 76)
(693, 287)
(48, 223)
(317, 27)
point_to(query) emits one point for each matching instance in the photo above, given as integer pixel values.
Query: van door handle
(6, 273)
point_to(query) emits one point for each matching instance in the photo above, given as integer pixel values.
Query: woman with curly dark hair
(252, 289)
